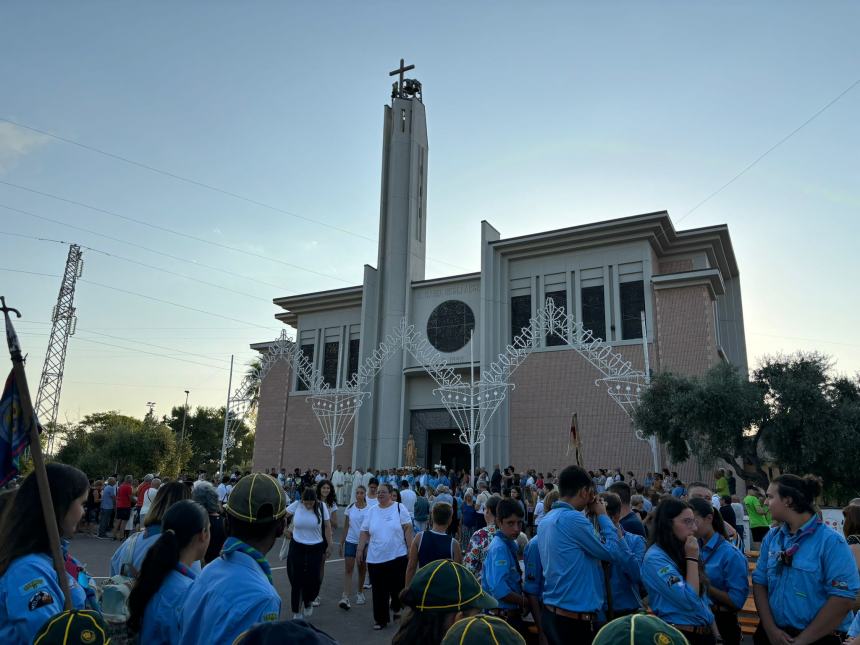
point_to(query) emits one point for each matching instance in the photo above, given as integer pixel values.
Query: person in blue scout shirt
(571, 551)
(30, 591)
(806, 579)
(236, 590)
(671, 573)
(625, 573)
(533, 581)
(725, 567)
(166, 573)
(854, 631)
(501, 576)
(139, 543)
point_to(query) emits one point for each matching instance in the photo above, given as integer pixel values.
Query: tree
(109, 442)
(204, 430)
(793, 412)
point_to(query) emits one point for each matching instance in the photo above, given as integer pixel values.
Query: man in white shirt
(407, 498)
(149, 497)
(337, 480)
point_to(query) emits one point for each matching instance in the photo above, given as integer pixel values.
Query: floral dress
(477, 551)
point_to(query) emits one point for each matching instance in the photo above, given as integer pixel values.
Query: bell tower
(401, 261)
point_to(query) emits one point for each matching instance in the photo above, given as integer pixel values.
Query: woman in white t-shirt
(326, 496)
(353, 518)
(309, 533)
(386, 530)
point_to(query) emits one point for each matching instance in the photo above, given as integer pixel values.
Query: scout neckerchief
(232, 545)
(185, 571)
(785, 555)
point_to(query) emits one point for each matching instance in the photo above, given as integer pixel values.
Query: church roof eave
(656, 228)
(306, 303)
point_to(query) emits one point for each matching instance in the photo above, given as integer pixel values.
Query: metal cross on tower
(400, 71)
(62, 327)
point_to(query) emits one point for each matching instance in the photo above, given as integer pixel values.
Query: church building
(604, 274)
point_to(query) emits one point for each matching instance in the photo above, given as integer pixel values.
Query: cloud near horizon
(16, 143)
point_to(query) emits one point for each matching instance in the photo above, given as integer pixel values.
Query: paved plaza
(353, 626)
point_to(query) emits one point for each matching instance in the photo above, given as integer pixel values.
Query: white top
(356, 520)
(539, 512)
(372, 501)
(385, 526)
(331, 509)
(407, 498)
(739, 512)
(148, 498)
(307, 528)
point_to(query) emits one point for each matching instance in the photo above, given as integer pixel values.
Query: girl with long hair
(30, 591)
(166, 573)
(805, 580)
(353, 518)
(309, 537)
(726, 568)
(139, 543)
(326, 495)
(671, 573)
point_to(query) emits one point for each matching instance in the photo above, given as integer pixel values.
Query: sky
(257, 126)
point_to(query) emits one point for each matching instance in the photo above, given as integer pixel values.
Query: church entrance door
(444, 447)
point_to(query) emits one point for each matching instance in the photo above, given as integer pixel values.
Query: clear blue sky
(538, 118)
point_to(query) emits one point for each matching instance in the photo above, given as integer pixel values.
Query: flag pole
(36, 453)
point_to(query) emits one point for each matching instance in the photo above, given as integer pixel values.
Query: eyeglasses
(689, 521)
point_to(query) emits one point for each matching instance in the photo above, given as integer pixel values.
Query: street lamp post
(182, 433)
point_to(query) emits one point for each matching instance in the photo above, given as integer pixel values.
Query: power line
(771, 149)
(144, 248)
(200, 184)
(170, 230)
(141, 295)
(187, 180)
(143, 264)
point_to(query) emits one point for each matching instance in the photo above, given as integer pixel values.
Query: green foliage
(109, 442)
(793, 412)
(204, 430)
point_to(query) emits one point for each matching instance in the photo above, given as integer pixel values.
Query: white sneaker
(367, 585)
(316, 602)
(344, 602)
(297, 617)
(359, 598)
(308, 611)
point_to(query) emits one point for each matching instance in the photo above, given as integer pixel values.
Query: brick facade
(301, 446)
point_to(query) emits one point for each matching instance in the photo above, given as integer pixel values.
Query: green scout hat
(480, 630)
(639, 629)
(74, 627)
(443, 585)
(251, 493)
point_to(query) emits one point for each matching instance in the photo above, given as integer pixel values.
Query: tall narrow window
(594, 311)
(330, 351)
(419, 233)
(521, 313)
(354, 347)
(632, 304)
(308, 351)
(559, 299)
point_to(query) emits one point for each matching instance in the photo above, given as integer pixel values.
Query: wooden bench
(748, 615)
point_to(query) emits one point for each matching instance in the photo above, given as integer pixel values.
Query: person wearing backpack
(166, 574)
(309, 538)
(128, 557)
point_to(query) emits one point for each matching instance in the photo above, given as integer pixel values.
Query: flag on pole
(14, 430)
(575, 441)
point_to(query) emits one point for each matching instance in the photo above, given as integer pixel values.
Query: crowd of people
(515, 556)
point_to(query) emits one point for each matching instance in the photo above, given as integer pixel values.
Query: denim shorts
(349, 549)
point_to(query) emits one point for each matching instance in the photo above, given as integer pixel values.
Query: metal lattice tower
(63, 326)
